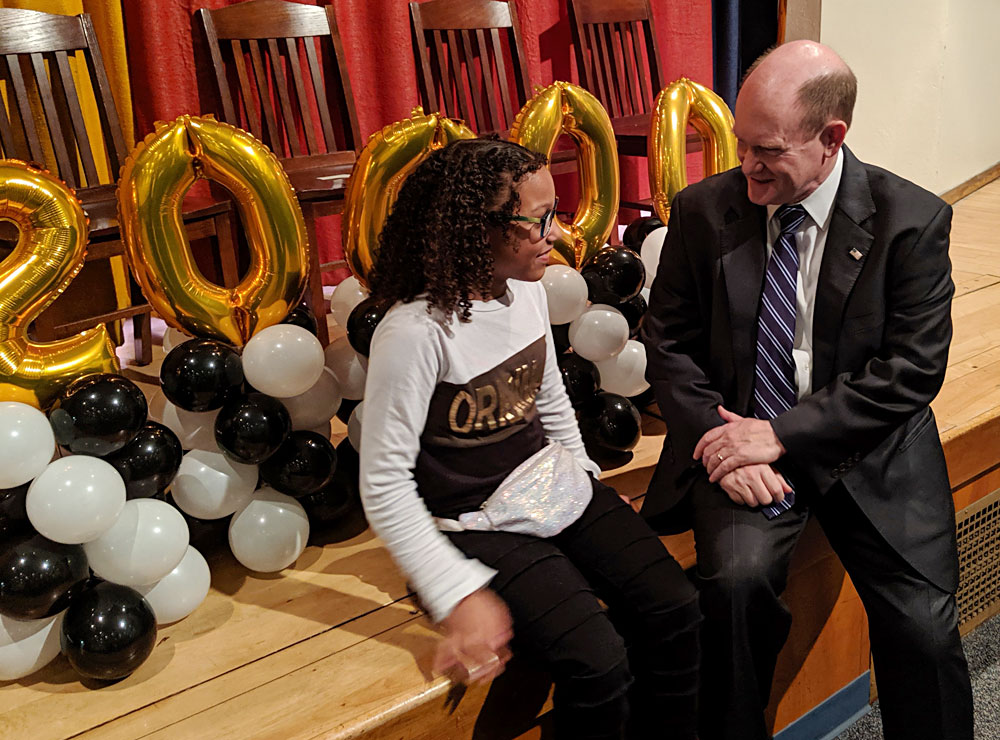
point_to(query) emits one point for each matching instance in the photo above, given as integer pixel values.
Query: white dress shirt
(811, 240)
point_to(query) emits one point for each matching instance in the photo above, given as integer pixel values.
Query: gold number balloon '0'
(50, 250)
(154, 179)
(678, 104)
(387, 159)
(565, 108)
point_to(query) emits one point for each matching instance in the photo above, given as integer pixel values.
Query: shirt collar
(819, 204)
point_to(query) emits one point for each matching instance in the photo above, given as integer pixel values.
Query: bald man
(798, 330)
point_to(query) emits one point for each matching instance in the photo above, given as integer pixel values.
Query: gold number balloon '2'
(387, 159)
(678, 104)
(154, 179)
(566, 108)
(50, 250)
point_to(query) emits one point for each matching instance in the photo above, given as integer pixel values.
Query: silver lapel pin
(856, 253)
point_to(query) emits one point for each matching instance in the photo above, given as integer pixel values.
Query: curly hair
(436, 241)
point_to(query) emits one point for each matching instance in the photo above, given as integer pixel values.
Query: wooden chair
(471, 65)
(618, 60)
(35, 53)
(280, 72)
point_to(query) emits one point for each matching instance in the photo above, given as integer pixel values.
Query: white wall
(928, 97)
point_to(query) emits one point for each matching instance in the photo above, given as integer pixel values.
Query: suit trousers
(743, 558)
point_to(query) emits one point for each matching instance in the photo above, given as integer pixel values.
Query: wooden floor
(333, 648)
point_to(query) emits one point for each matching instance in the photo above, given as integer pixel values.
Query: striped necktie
(774, 388)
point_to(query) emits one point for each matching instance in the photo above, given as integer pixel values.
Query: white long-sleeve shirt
(450, 409)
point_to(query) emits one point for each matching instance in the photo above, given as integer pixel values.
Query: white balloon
(270, 532)
(354, 422)
(28, 645)
(146, 542)
(625, 373)
(566, 292)
(347, 368)
(195, 430)
(172, 337)
(209, 485)
(182, 590)
(283, 360)
(650, 250)
(75, 499)
(347, 295)
(26, 443)
(317, 405)
(645, 294)
(599, 333)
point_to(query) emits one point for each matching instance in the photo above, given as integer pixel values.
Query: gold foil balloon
(387, 159)
(564, 108)
(154, 179)
(50, 250)
(678, 104)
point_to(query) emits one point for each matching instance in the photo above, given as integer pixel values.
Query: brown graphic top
(491, 406)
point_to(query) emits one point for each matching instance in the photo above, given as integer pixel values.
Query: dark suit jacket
(881, 332)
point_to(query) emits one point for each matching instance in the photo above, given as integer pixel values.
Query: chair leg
(226, 251)
(142, 331)
(314, 291)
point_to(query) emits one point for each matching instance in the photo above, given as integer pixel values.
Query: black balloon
(637, 231)
(98, 414)
(560, 335)
(581, 378)
(108, 631)
(303, 316)
(39, 577)
(201, 375)
(251, 428)
(303, 464)
(607, 458)
(149, 462)
(633, 310)
(204, 535)
(13, 515)
(614, 275)
(362, 322)
(335, 511)
(611, 421)
(347, 406)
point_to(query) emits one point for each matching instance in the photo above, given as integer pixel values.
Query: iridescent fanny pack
(541, 497)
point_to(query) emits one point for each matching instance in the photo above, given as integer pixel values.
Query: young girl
(463, 389)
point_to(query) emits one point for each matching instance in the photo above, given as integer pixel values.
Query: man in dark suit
(798, 330)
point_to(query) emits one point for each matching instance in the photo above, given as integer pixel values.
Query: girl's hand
(476, 634)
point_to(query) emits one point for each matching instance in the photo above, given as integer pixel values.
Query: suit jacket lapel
(743, 254)
(847, 246)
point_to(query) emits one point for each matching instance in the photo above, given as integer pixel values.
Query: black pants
(923, 681)
(638, 657)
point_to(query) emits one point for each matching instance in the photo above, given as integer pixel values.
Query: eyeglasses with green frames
(545, 220)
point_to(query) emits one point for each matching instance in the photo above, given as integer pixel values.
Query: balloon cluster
(91, 558)
(596, 315)
(256, 430)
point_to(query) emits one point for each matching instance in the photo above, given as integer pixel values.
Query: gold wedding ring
(719, 455)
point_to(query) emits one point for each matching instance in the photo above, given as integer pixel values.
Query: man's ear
(832, 136)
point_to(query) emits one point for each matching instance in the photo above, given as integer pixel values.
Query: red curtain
(166, 49)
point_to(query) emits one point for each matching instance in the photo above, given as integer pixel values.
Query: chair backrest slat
(287, 111)
(52, 120)
(295, 64)
(615, 45)
(35, 152)
(85, 152)
(469, 69)
(277, 67)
